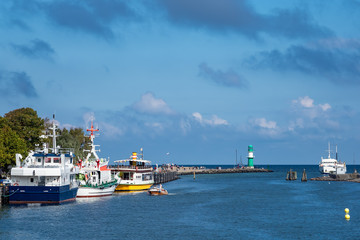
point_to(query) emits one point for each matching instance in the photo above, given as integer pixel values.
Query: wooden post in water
(294, 175)
(304, 177)
(291, 175)
(194, 175)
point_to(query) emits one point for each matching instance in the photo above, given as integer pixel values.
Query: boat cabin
(44, 169)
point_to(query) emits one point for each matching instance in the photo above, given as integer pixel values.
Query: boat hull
(86, 192)
(42, 194)
(133, 187)
(156, 192)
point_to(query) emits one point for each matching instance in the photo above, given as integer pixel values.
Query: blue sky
(196, 79)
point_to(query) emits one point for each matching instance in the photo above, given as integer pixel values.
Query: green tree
(74, 138)
(10, 144)
(3, 122)
(20, 131)
(26, 123)
(81, 142)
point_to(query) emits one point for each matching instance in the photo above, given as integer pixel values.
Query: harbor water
(218, 206)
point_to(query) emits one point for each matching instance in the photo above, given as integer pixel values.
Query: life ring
(16, 184)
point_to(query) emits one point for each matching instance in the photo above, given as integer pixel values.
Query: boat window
(147, 177)
(47, 160)
(56, 160)
(126, 176)
(31, 179)
(39, 160)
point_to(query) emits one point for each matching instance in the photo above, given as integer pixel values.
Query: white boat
(46, 176)
(332, 165)
(95, 176)
(156, 191)
(136, 174)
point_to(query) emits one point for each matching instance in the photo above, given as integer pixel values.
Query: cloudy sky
(195, 79)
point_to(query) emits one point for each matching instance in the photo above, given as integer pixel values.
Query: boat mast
(236, 156)
(336, 156)
(53, 135)
(92, 137)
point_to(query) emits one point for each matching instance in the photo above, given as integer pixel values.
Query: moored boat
(95, 176)
(136, 174)
(332, 165)
(46, 176)
(155, 191)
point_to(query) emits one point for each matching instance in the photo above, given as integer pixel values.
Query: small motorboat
(158, 191)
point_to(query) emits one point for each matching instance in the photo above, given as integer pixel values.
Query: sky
(190, 82)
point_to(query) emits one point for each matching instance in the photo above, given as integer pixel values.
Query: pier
(174, 173)
(4, 193)
(347, 177)
(197, 170)
(170, 173)
(163, 177)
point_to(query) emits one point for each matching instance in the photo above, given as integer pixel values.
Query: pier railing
(163, 177)
(115, 167)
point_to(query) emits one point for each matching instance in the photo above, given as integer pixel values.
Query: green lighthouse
(250, 156)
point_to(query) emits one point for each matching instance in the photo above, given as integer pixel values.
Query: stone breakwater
(348, 177)
(190, 170)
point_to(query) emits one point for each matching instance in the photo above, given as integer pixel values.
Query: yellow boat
(136, 174)
(133, 187)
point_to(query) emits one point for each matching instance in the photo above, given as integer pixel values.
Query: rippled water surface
(221, 206)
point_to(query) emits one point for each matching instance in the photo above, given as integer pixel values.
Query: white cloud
(311, 115)
(152, 105)
(325, 106)
(110, 130)
(213, 121)
(262, 122)
(298, 123)
(155, 125)
(308, 102)
(88, 117)
(265, 128)
(197, 117)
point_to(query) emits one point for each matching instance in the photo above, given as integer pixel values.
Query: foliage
(10, 144)
(20, 132)
(74, 138)
(26, 123)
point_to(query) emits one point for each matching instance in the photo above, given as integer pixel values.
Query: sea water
(218, 206)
